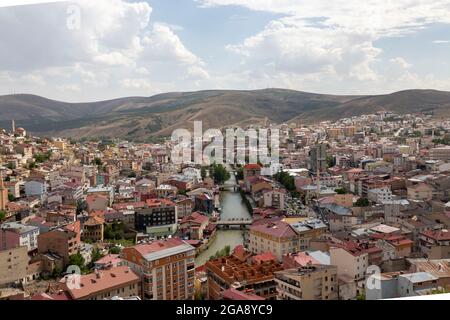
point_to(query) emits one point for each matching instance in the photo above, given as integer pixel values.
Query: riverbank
(233, 207)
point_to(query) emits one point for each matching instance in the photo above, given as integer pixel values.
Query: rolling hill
(142, 117)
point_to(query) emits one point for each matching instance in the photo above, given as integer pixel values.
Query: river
(232, 207)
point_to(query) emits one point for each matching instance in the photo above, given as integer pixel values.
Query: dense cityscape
(356, 209)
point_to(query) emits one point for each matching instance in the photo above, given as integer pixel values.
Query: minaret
(13, 126)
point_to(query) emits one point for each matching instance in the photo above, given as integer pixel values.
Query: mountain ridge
(137, 118)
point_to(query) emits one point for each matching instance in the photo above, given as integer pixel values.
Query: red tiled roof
(158, 245)
(195, 217)
(276, 229)
(252, 166)
(266, 256)
(437, 235)
(111, 278)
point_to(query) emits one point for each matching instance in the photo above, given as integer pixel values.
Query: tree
(97, 161)
(219, 173)
(77, 260)
(115, 231)
(240, 173)
(11, 197)
(42, 157)
(81, 206)
(2, 215)
(362, 202)
(114, 250)
(96, 255)
(203, 173)
(341, 191)
(331, 161)
(286, 180)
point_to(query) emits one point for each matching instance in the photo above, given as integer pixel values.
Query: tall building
(13, 126)
(318, 157)
(3, 195)
(166, 268)
(313, 282)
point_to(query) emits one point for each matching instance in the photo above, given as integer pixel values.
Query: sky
(96, 50)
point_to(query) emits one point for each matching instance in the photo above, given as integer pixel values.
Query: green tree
(96, 255)
(114, 250)
(341, 191)
(331, 161)
(219, 173)
(286, 180)
(77, 260)
(203, 172)
(11, 197)
(81, 206)
(2, 215)
(240, 173)
(362, 202)
(97, 161)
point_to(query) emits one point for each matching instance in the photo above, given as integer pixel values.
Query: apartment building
(421, 191)
(14, 234)
(105, 284)
(93, 229)
(64, 241)
(380, 195)
(13, 265)
(351, 261)
(166, 268)
(313, 282)
(157, 218)
(308, 230)
(277, 237)
(435, 243)
(440, 153)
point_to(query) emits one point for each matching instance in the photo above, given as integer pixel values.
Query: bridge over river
(234, 214)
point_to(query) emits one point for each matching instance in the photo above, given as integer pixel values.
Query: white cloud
(116, 40)
(331, 41)
(441, 41)
(401, 62)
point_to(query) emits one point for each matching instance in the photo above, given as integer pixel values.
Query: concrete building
(441, 153)
(313, 282)
(105, 284)
(35, 188)
(350, 260)
(64, 241)
(157, 218)
(435, 243)
(318, 158)
(93, 229)
(166, 268)
(13, 235)
(421, 191)
(380, 195)
(13, 265)
(277, 237)
(3, 195)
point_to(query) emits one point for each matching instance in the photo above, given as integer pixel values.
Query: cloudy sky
(91, 50)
